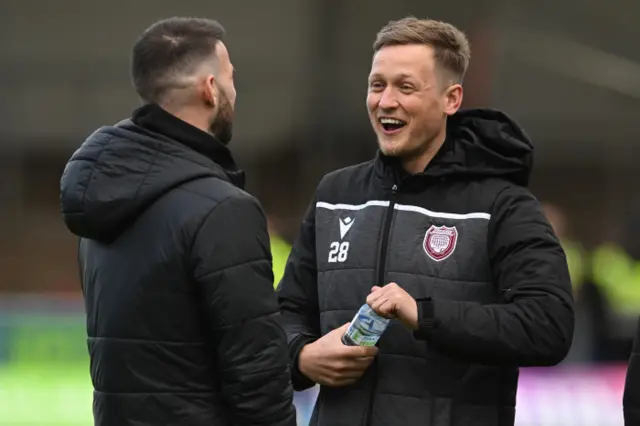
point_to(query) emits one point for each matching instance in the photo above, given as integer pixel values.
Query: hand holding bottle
(329, 362)
(392, 301)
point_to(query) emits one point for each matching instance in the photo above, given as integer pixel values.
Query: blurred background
(567, 70)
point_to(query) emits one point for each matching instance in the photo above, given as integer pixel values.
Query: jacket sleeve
(232, 266)
(298, 295)
(533, 326)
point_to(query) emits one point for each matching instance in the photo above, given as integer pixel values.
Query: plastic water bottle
(365, 328)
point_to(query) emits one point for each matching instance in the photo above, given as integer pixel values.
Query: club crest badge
(440, 241)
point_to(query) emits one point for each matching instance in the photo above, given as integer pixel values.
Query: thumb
(344, 327)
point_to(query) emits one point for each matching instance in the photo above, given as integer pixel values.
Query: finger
(385, 292)
(347, 363)
(343, 328)
(353, 370)
(357, 370)
(384, 308)
(353, 352)
(337, 331)
(372, 297)
(346, 373)
(362, 363)
(387, 308)
(343, 381)
(375, 299)
(369, 351)
(398, 291)
(382, 290)
(375, 288)
(334, 382)
(351, 375)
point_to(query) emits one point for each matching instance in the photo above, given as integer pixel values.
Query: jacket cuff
(300, 381)
(426, 319)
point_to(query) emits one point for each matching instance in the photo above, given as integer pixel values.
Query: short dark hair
(171, 47)
(450, 45)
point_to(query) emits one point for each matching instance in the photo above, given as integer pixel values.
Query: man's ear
(210, 91)
(453, 99)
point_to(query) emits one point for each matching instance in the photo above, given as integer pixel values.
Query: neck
(419, 162)
(190, 115)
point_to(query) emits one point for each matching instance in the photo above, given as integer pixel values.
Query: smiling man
(439, 233)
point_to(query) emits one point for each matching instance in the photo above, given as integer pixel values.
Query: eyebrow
(397, 77)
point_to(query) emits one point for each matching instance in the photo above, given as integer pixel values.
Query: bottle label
(361, 339)
(366, 327)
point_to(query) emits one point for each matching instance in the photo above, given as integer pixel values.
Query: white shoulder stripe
(426, 212)
(402, 207)
(328, 206)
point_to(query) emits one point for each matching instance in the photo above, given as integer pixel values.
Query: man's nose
(388, 99)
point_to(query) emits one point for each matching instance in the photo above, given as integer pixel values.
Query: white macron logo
(345, 225)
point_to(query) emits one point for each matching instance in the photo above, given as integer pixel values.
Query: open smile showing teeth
(391, 125)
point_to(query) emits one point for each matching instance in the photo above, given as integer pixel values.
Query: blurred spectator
(582, 347)
(576, 256)
(606, 283)
(616, 275)
(280, 250)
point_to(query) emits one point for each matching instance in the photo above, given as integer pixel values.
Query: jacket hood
(483, 143)
(120, 170)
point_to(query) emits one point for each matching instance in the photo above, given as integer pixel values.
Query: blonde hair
(451, 47)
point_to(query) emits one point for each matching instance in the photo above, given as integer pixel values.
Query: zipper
(381, 275)
(382, 252)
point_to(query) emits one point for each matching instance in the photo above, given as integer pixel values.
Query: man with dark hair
(182, 320)
(439, 234)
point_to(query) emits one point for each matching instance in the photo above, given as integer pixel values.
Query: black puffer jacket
(469, 242)
(182, 321)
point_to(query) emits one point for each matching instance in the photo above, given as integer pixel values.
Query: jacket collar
(390, 169)
(156, 119)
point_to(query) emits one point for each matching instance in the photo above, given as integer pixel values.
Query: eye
(407, 88)
(376, 85)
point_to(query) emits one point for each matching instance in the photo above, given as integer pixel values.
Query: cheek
(232, 96)
(438, 106)
(372, 102)
(427, 113)
(424, 122)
